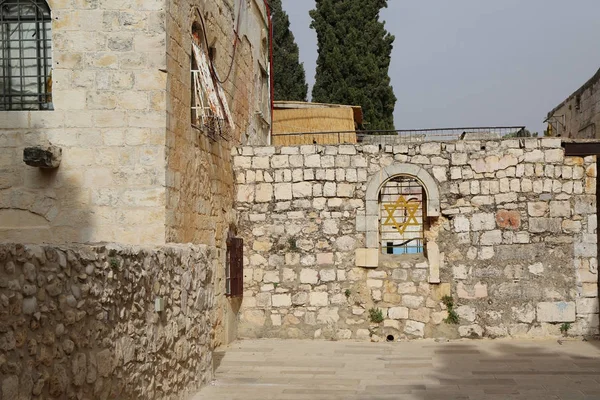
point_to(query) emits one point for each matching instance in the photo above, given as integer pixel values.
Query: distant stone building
(579, 115)
(142, 101)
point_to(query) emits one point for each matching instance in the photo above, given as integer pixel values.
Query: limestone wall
(133, 169)
(579, 115)
(200, 184)
(513, 241)
(80, 321)
(109, 119)
(199, 173)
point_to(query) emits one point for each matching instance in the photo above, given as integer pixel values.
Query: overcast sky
(460, 63)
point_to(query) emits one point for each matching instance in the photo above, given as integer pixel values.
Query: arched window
(402, 216)
(25, 55)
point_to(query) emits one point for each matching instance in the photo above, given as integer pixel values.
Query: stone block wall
(514, 243)
(199, 176)
(579, 115)
(80, 321)
(133, 169)
(109, 119)
(199, 173)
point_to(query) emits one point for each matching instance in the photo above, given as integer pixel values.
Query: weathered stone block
(398, 313)
(587, 306)
(467, 313)
(479, 290)
(414, 328)
(586, 249)
(412, 301)
(483, 222)
(302, 189)
(283, 191)
(281, 300)
(585, 204)
(420, 315)
(327, 275)
(264, 193)
(536, 269)
(470, 331)
(407, 288)
(539, 225)
(490, 238)
(556, 311)
(319, 299)
(462, 224)
(300, 299)
(506, 219)
(431, 148)
(560, 209)
(308, 275)
(263, 300)
(42, 156)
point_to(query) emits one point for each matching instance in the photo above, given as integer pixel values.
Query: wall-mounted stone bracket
(42, 156)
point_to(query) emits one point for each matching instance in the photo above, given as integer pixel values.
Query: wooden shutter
(236, 267)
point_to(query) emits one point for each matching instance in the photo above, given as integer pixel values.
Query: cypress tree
(354, 58)
(288, 73)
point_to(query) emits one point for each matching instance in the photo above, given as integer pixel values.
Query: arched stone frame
(369, 256)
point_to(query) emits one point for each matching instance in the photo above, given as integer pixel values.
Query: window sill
(394, 260)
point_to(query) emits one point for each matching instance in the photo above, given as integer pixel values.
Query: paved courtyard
(419, 370)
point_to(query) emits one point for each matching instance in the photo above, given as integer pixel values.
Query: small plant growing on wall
(114, 263)
(376, 315)
(564, 328)
(452, 317)
(347, 293)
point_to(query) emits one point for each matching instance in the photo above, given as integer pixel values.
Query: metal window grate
(402, 216)
(234, 273)
(25, 55)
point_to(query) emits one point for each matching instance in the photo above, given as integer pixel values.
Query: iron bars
(25, 55)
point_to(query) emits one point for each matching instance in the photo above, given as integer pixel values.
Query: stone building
(579, 115)
(493, 238)
(142, 102)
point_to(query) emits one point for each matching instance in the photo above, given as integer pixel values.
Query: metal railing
(408, 135)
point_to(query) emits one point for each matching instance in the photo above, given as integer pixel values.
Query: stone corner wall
(516, 242)
(80, 321)
(579, 115)
(199, 175)
(109, 118)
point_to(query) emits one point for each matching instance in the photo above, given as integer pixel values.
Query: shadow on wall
(42, 205)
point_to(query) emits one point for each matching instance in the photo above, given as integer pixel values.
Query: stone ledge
(42, 156)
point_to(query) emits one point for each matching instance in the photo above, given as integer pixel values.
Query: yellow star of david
(411, 208)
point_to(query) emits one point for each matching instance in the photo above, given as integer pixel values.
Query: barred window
(402, 216)
(25, 55)
(209, 109)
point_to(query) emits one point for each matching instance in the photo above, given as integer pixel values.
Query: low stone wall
(511, 239)
(80, 321)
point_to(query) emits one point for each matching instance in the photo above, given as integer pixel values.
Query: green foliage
(354, 58)
(347, 293)
(452, 317)
(564, 328)
(114, 263)
(376, 315)
(289, 79)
